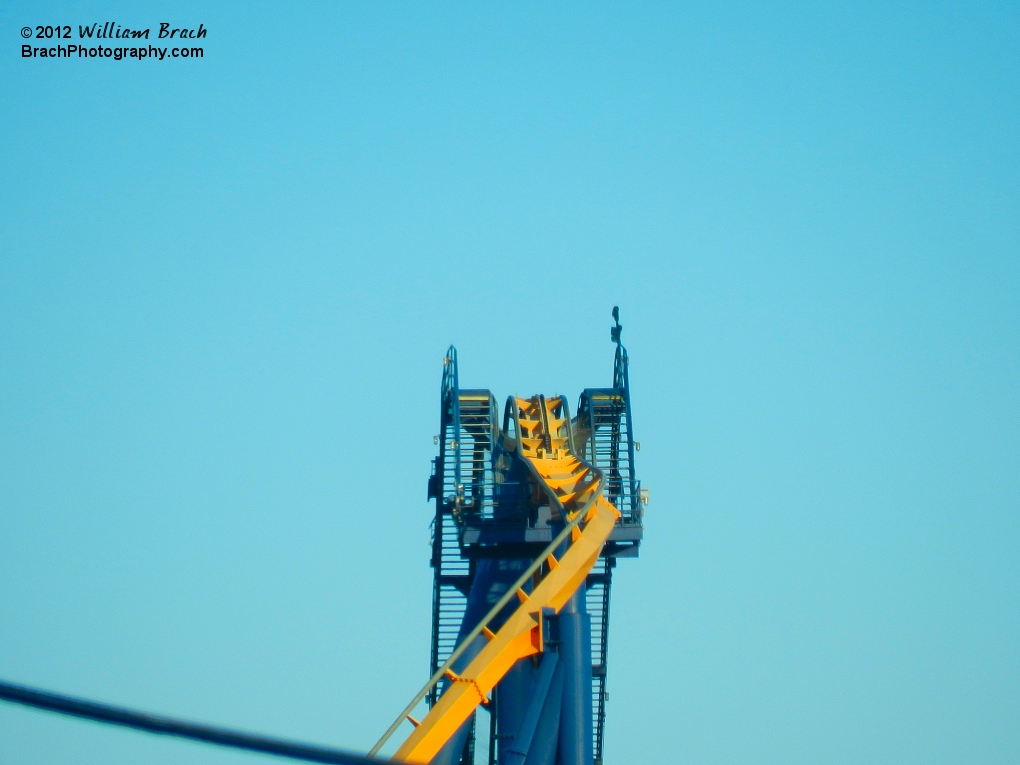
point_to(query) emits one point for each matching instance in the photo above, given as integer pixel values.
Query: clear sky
(227, 285)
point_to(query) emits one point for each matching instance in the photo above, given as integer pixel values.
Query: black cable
(92, 710)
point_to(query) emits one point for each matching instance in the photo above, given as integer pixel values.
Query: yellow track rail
(575, 491)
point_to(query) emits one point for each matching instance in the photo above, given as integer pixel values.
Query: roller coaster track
(574, 489)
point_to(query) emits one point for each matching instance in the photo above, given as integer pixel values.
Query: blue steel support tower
(490, 523)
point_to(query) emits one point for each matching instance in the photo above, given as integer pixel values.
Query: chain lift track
(584, 510)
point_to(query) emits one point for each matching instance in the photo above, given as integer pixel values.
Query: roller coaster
(530, 519)
(531, 516)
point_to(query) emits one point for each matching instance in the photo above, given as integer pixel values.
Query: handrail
(510, 411)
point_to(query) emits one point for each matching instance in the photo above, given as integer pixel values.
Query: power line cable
(91, 710)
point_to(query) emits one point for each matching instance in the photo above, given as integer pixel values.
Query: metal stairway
(604, 425)
(461, 484)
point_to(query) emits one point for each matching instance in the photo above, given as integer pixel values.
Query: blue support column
(575, 657)
(513, 693)
(518, 749)
(536, 738)
(543, 744)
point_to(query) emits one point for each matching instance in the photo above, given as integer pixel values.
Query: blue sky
(227, 284)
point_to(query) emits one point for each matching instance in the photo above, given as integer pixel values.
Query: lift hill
(530, 520)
